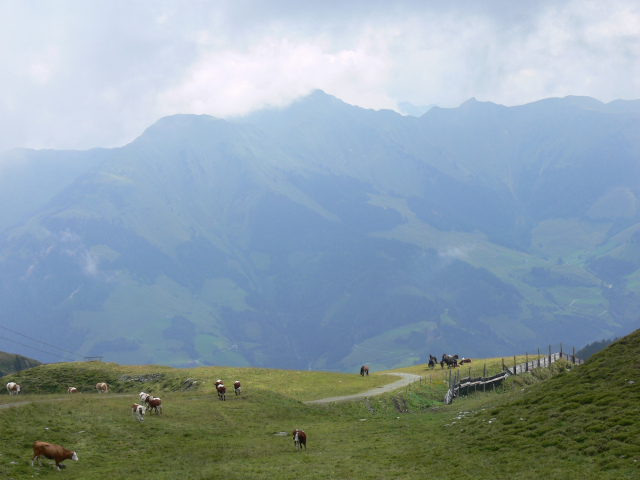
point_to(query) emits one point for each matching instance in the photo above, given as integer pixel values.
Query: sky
(79, 75)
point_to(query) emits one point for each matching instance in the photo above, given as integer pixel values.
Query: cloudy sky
(78, 74)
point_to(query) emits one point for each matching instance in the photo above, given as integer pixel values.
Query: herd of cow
(148, 403)
(448, 360)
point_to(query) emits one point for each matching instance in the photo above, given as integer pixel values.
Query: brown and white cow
(299, 439)
(13, 388)
(138, 412)
(51, 451)
(237, 387)
(222, 392)
(143, 397)
(72, 390)
(218, 382)
(154, 403)
(102, 387)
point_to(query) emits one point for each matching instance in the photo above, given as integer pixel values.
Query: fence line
(456, 385)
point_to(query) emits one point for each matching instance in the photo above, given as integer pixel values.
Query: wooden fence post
(514, 366)
(574, 355)
(484, 374)
(538, 358)
(526, 368)
(561, 357)
(549, 358)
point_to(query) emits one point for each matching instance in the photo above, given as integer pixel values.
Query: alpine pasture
(570, 422)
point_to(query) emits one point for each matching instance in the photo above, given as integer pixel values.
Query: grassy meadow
(580, 422)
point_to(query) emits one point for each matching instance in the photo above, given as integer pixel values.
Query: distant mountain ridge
(11, 363)
(325, 236)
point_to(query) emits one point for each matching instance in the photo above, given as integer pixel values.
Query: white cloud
(85, 74)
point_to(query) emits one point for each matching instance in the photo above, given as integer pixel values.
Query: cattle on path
(72, 390)
(13, 388)
(53, 452)
(237, 387)
(364, 369)
(222, 392)
(138, 412)
(102, 387)
(299, 439)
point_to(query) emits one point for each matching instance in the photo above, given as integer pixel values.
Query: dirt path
(407, 378)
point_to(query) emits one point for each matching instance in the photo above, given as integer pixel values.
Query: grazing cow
(236, 387)
(72, 390)
(222, 392)
(13, 388)
(138, 412)
(465, 360)
(299, 439)
(449, 360)
(53, 452)
(143, 397)
(432, 361)
(102, 387)
(364, 369)
(154, 403)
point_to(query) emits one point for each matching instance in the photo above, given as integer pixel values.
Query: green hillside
(581, 422)
(10, 363)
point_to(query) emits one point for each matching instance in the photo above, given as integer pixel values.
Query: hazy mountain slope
(301, 237)
(11, 363)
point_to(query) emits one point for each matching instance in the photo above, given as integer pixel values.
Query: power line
(34, 348)
(39, 341)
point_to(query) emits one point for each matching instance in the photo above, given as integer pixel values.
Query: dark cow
(465, 360)
(364, 370)
(449, 360)
(432, 361)
(299, 439)
(222, 392)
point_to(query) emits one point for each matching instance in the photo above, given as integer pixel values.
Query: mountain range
(324, 236)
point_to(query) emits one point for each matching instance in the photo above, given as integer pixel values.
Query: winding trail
(406, 379)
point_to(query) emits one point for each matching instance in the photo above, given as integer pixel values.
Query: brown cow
(236, 387)
(154, 403)
(222, 392)
(138, 412)
(364, 370)
(299, 439)
(72, 390)
(102, 387)
(51, 451)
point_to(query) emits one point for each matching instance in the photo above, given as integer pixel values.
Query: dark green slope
(589, 411)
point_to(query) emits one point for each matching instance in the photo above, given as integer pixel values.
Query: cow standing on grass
(13, 388)
(72, 390)
(138, 412)
(222, 392)
(299, 439)
(102, 387)
(53, 452)
(237, 387)
(154, 403)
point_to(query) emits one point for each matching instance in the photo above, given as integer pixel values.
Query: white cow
(13, 388)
